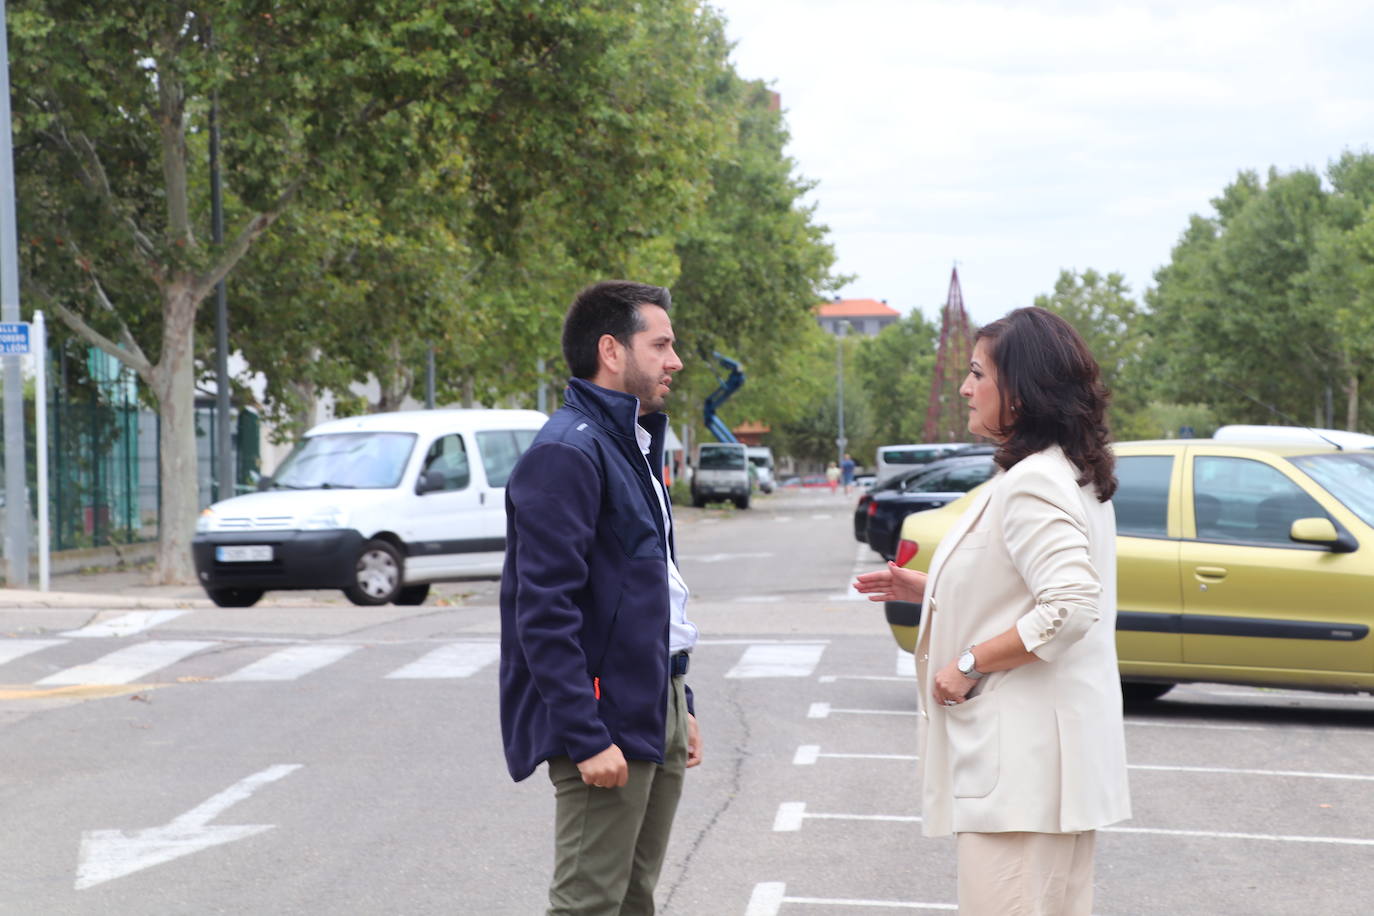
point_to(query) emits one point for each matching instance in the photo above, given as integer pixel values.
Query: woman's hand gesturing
(892, 583)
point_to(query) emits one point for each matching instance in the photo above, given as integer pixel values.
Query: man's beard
(640, 384)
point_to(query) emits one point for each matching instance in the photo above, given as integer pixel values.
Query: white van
(379, 506)
(722, 472)
(761, 457)
(893, 459)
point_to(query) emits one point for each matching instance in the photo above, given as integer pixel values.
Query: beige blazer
(1042, 747)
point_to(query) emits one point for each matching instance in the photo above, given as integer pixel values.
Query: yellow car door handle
(1210, 573)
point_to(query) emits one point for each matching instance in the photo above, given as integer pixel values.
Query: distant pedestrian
(594, 632)
(832, 476)
(847, 472)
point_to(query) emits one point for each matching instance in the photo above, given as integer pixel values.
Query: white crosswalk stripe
(787, 660)
(11, 649)
(459, 659)
(125, 624)
(292, 662)
(127, 664)
(444, 661)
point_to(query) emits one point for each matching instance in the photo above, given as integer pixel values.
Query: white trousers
(1026, 874)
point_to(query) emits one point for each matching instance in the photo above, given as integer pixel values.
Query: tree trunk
(395, 382)
(174, 381)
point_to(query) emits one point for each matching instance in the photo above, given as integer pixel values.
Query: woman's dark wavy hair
(1051, 388)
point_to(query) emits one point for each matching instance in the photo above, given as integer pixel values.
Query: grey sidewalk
(130, 589)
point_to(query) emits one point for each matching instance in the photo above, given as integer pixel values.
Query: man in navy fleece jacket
(595, 640)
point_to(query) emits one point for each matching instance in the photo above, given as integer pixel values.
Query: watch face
(966, 663)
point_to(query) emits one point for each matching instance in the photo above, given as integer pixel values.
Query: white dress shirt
(682, 633)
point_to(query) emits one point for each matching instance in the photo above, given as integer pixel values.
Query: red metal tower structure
(946, 419)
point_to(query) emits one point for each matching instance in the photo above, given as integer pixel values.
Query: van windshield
(346, 461)
(722, 459)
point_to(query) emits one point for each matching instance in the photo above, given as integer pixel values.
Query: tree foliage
(1259, 306)
(399, 176)
(1101, 309)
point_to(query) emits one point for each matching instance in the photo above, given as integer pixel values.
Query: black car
(894, 482)
(941, 482)
(899, 480)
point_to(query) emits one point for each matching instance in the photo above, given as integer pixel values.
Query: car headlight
(328, 517)
(206, 521)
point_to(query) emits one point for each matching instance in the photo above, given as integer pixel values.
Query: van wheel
(376, 575)
(742, 502)
(412, 594)
(1136, 692)
(234, 597)
(698, 502)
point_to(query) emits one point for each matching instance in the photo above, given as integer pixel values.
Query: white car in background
(379, 506)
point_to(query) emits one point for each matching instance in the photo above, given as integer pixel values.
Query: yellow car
(1236, 563)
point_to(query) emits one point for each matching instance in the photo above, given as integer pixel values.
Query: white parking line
(825, 710)
(452, 661)
(1224, 728)
(291, 663)
(1227, 835)
(1229, 771)
(127, 664)
(796, 660)
(1277, 695)
(769, 896)
(808, 754)
(11, 649)
(791, 814)
(125, 624)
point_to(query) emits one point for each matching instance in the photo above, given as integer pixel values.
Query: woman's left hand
(951, 687)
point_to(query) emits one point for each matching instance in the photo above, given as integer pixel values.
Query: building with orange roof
(864, 316)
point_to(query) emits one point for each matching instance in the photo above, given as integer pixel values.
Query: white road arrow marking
(109, 854)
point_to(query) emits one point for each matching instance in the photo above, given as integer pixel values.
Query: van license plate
(246, 553)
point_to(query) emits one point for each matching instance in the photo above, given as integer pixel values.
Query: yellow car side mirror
(1321, 531)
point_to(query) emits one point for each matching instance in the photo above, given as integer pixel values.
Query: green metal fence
(103, 451)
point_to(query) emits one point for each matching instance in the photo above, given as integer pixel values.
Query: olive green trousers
(609, 843)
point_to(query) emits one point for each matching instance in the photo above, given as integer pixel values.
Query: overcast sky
(1021, 138)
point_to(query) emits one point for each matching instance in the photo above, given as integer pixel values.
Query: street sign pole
(16, 495)
(40, 431)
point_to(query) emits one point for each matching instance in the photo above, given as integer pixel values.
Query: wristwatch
(966, 664)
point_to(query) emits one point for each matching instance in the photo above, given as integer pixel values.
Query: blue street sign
(14, 338)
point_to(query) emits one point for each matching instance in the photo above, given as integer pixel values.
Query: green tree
(1101, 309)
(326, 100)
(1231, 320)
(895, 370)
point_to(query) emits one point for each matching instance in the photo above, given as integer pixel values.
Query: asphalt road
(331, 759)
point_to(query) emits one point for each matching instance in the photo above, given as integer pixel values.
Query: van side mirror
(264, 484)
(430, 481)
(1322, 532)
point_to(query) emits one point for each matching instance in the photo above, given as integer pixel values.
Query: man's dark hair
(609, 307)
(1051, 388)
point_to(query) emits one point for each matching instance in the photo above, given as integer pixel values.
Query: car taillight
(872, 508)
(906, 551)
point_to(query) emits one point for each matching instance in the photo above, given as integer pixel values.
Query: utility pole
(16, 489)
(841, 443)
(225, 459)
(429, 379)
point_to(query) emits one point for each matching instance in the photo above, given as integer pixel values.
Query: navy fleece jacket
(584, 593)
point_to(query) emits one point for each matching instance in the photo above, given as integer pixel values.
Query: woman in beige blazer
(1021, 740)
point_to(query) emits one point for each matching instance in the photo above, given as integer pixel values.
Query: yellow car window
(1239, 499)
